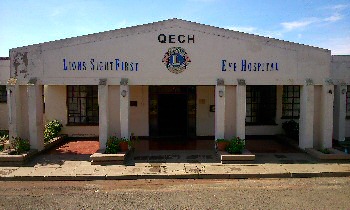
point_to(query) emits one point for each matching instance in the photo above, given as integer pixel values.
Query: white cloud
(338, 7)
(289, 26)
(334, 18)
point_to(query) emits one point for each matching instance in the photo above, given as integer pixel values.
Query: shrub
(20, 145)
(51, 130)
(236, 146)
(291, 128)
(112, 145)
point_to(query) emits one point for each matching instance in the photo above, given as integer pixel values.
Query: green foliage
(51, 130)
(236, 146)
(291, 128)
(112, 145)
(20, 145)
(325, 151)
(222, 140)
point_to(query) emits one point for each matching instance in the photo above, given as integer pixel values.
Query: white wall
(139, 120)
(341, 75)
(205, 118)
(230, 111)
(114, 110)
(140, 44)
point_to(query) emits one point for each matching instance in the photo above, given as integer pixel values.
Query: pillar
(339, 112)
(306, 122)
(240, 109)
(327, 97)
(12, 95)
(220, 109)
(103, 112)
(35, 116)
(124, 108)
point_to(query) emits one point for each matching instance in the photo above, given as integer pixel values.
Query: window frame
(3, 94)
(89, 100)
(262, 101)
(293, 103)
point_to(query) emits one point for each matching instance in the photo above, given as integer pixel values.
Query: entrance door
(172, 115)
(172, 112)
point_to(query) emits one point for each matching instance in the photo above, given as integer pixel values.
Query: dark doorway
(172, 112)
(172, 115)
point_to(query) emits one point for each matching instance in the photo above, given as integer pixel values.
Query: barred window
(82, 102)
(261, 105)
(3, 94)
(291, 102)
(348, 102)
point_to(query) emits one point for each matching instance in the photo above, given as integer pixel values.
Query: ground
(310, 193)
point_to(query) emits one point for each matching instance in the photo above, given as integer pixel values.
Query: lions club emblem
(176, 59)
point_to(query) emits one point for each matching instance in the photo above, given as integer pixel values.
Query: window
(261, 105)
(348, 102)
(291, 102)
(3, 94)
(82, 102)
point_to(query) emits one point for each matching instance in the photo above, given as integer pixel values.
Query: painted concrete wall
(140, 45)
(317, 115)
(230, 111)
(4, 76)
(205, 118)
(139, 120)
(341, 74)
(114, 113)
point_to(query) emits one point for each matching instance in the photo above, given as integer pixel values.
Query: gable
(140, 53)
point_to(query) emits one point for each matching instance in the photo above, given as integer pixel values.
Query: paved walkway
(171, 165)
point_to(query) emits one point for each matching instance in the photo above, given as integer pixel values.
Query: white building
(176, 78)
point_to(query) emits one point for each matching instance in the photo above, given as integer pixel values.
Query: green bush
(291, 128)
(20, 145)
(51, 130)
(112, 145)
(236, 146)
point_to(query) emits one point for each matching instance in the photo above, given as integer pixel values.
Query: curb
(175, 176)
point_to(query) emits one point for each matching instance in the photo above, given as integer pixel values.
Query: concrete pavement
(66, 167)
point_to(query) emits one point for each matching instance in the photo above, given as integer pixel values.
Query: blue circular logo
(176, 59)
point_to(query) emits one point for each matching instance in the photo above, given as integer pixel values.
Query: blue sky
(320, 23)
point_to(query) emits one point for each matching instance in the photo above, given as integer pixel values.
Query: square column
(327, 96)
(103, 113)
(339, 112)
(306, 122)
(124, 108)
(220, 109)
(241, 94)
(12, 98)
(35, 116)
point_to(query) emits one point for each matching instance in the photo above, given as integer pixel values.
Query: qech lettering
(95, 65)
(244, 65)
(171, 38)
